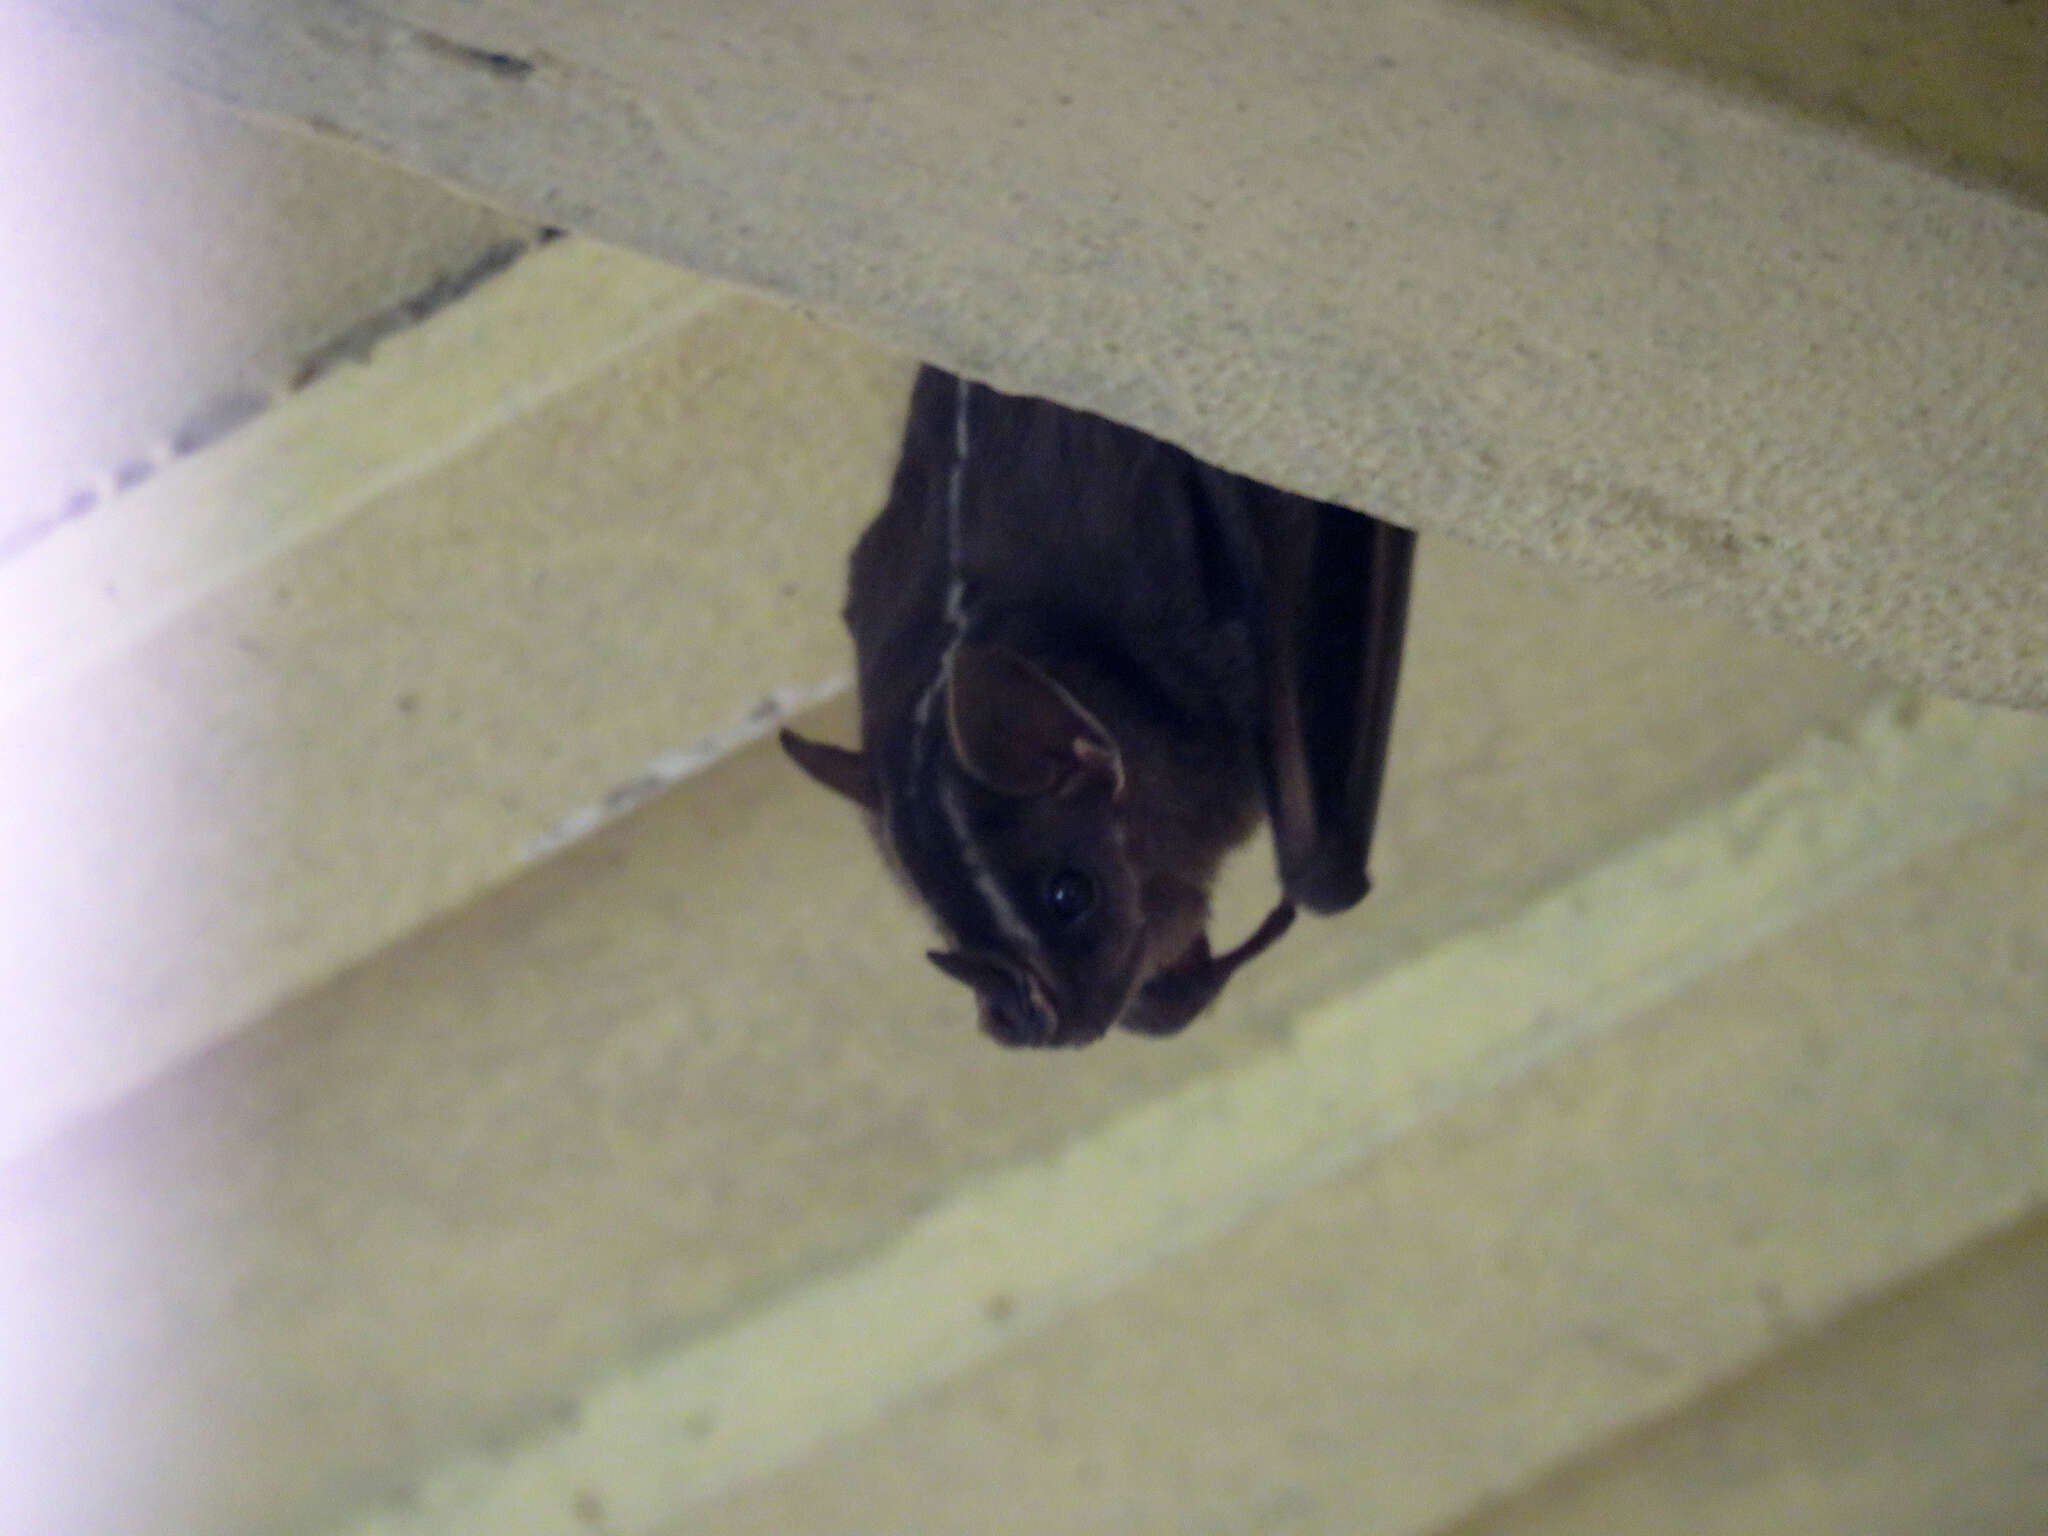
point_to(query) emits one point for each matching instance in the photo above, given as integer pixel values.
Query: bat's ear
(843, 772)
(1021, 733)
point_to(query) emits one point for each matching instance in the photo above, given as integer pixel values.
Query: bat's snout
(1016, 1007)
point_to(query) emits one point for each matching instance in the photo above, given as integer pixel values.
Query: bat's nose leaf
(1012, 1011)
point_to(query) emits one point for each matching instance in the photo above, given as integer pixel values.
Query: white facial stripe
(1009, 921)
(1007, 917)
(956, 482)
(956, 580)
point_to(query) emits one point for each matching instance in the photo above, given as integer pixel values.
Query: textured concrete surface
(169, 265)
(696, 1056)
(1583, 1249)
(299, 697)
(1405, 255)
(483, 589)
(1925, 1411)
(1962, 85)
(408, 1149)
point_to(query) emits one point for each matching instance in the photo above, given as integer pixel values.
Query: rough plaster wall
(1532, 1272)
(297, 695)
(680, 1063)
(1927, 1411)
(1963, 83)
(1405, 255)
(364, 1357)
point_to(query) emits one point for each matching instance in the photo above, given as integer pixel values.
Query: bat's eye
(1069, 895)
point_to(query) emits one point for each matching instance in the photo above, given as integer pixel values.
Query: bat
(1089, 664)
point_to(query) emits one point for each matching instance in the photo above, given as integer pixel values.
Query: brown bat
(1088, 663)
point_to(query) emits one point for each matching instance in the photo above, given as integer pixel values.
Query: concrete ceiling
(457, 1079)
(1414, 256)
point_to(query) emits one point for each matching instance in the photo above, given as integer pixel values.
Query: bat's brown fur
(1088, 662)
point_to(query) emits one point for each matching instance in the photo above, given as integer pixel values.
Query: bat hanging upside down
(1088, 664)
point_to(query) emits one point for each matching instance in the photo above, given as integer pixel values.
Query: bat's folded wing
(1336, 611)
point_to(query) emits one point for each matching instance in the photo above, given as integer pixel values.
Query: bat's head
(1014, 821)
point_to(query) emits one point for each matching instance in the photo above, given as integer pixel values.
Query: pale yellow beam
(498, 1154)
(1924, 1412)
(104, 583)
(827, 1357)
(418, 625)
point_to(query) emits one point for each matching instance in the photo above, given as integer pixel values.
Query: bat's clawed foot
(1170, 1000)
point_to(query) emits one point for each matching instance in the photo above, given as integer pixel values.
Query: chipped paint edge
(671, 768)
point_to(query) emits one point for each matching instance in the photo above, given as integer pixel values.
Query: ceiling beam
(1411, 256)
(401, 634)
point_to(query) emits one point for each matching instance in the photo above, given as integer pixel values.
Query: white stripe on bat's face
(1041, 904)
